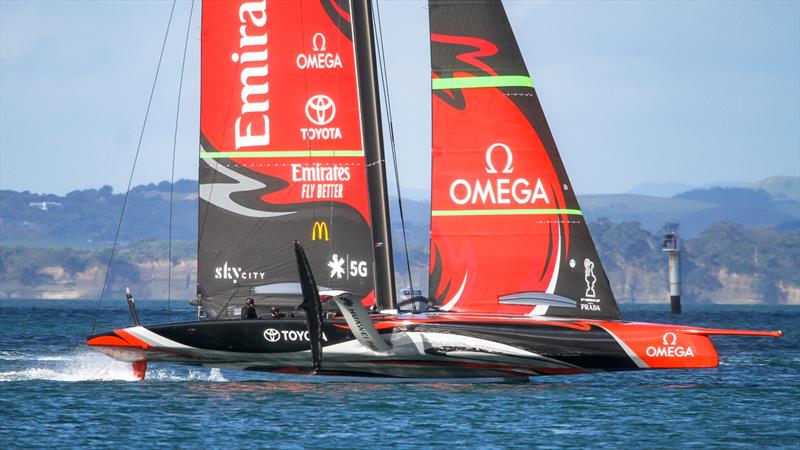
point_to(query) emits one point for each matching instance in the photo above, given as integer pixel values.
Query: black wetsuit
(249, 312)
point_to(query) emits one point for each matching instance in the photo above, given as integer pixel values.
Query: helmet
(250, 301)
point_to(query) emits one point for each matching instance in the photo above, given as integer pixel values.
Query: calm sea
(55, 392)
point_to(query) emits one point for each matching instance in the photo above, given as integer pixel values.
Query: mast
(367, 73)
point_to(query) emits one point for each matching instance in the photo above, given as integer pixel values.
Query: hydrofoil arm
(358, 319)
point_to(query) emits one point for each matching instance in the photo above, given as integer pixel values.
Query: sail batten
(503, 212)
(285, 154)
(471, 82)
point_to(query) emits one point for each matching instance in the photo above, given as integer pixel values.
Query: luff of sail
(281, 155)
(507, 233)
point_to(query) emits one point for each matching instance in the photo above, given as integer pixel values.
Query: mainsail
(281, 157)
(507, 234)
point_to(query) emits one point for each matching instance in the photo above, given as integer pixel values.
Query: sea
(55, 392)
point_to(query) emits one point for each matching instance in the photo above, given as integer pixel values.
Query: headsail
(281, 155)
(507, 234)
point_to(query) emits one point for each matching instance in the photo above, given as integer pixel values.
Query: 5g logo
(355, 268)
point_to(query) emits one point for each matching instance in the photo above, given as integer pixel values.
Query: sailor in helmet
(249, 309)
(276, 313)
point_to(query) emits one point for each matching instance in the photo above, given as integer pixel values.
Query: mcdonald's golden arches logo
(319, 232)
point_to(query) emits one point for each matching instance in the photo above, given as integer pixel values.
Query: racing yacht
(293, 192)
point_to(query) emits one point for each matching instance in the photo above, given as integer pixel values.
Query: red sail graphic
(282, 153)
(507, 234)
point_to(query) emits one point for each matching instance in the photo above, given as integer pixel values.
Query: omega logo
(509, 159)
(669, 349)
(318, 42)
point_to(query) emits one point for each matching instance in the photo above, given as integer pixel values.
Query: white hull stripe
(155, 340)
(406, 346)
(539, 310)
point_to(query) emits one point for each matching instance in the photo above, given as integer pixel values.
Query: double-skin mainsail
(507, 234)
(282, 155)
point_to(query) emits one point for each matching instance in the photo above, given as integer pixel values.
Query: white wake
(90, 366)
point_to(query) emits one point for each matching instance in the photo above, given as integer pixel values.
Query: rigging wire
(329, 212)
(174, 151)
(133, 169)
(388, 105)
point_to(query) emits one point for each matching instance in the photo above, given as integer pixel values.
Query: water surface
(56, 392)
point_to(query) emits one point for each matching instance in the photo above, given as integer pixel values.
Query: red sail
(507, 234)
(282, 156)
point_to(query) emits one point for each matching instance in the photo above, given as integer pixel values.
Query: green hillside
(741, 244)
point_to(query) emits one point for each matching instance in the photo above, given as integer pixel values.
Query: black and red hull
(438, 345)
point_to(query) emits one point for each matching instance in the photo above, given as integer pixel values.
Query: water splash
(90, 366)
(80, 366)
(216, 375)
(169, 374)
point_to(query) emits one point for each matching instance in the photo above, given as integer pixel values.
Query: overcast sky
(690, 92)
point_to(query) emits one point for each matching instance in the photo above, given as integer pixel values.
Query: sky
(635, 92)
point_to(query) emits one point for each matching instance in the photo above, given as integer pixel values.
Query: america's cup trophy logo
(588, 275)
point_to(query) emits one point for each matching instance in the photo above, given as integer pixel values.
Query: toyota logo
(320, 110)
(272, 335)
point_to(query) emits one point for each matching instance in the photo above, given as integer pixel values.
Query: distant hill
(660, 189)
(768, 203)
(727, 263)
(651, 212)
(738, 205)
(780, 188)
(88, 218)
(742, 244)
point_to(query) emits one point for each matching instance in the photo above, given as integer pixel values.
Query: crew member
(276, 313)
(249, 310)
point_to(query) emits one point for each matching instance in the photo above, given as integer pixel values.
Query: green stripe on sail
(481, 82)
(504, 212)
(283, 154)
